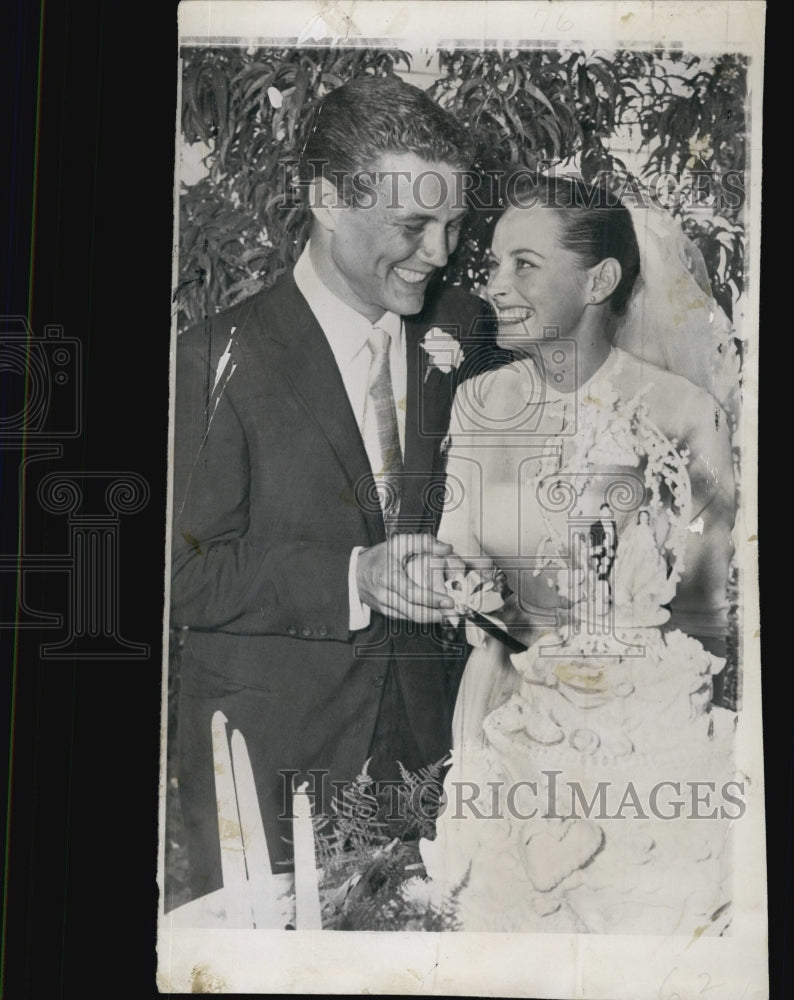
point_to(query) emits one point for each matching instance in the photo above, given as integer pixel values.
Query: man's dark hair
(357, 123)
(595, 223)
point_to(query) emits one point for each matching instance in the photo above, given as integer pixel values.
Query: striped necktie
(388, 480)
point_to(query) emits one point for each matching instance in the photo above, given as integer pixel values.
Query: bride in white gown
(643, 584)
(574, 422)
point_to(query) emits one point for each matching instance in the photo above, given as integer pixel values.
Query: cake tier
(601, 798)
(611, 699)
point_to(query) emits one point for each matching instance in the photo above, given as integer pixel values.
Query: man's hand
(404, 577)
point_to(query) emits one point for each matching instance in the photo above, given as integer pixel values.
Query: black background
(82, 893)
(81, 890)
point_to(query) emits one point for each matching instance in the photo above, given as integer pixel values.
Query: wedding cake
(600, 797)
(599, 792)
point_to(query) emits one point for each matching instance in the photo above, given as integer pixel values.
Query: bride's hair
(595, 223)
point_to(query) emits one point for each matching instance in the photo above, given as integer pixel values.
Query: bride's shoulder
(496, 392)
(641, 371)
(666, 391)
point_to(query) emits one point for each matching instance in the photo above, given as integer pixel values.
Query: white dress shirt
(348, 333)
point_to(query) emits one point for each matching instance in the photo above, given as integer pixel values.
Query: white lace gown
(529, 468)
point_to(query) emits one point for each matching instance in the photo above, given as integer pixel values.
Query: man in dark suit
(603, 540)
(309, 476)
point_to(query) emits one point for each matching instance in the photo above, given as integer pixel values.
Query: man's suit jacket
(270, 497)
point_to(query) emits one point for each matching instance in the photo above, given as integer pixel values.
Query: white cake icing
(631, 711)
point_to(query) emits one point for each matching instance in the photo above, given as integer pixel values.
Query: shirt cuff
(359, 613)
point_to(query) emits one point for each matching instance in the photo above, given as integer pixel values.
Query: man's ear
(323, 199)
(603, 279)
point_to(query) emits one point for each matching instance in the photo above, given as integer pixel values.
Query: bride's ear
(323, 199)
(603, 279)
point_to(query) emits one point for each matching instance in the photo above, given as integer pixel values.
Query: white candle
(257, 856)
(307, 890)
(231, 840)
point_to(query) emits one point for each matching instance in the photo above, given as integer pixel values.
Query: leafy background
(626, 114)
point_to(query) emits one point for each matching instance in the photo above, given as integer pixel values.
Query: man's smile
(410, 276)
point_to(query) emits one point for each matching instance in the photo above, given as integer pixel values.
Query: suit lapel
(305, 358)
(310, 368)
(429, 396)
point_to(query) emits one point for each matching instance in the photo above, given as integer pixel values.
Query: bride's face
(535, 283)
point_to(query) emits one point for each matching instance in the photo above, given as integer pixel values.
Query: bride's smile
(514, 314)
(538, 287)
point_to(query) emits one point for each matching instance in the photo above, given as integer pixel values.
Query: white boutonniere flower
(443, 351)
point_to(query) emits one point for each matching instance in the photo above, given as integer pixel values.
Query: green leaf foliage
(366, 848)
(241, 224)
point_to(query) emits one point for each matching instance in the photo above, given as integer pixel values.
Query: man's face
(384, 251)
